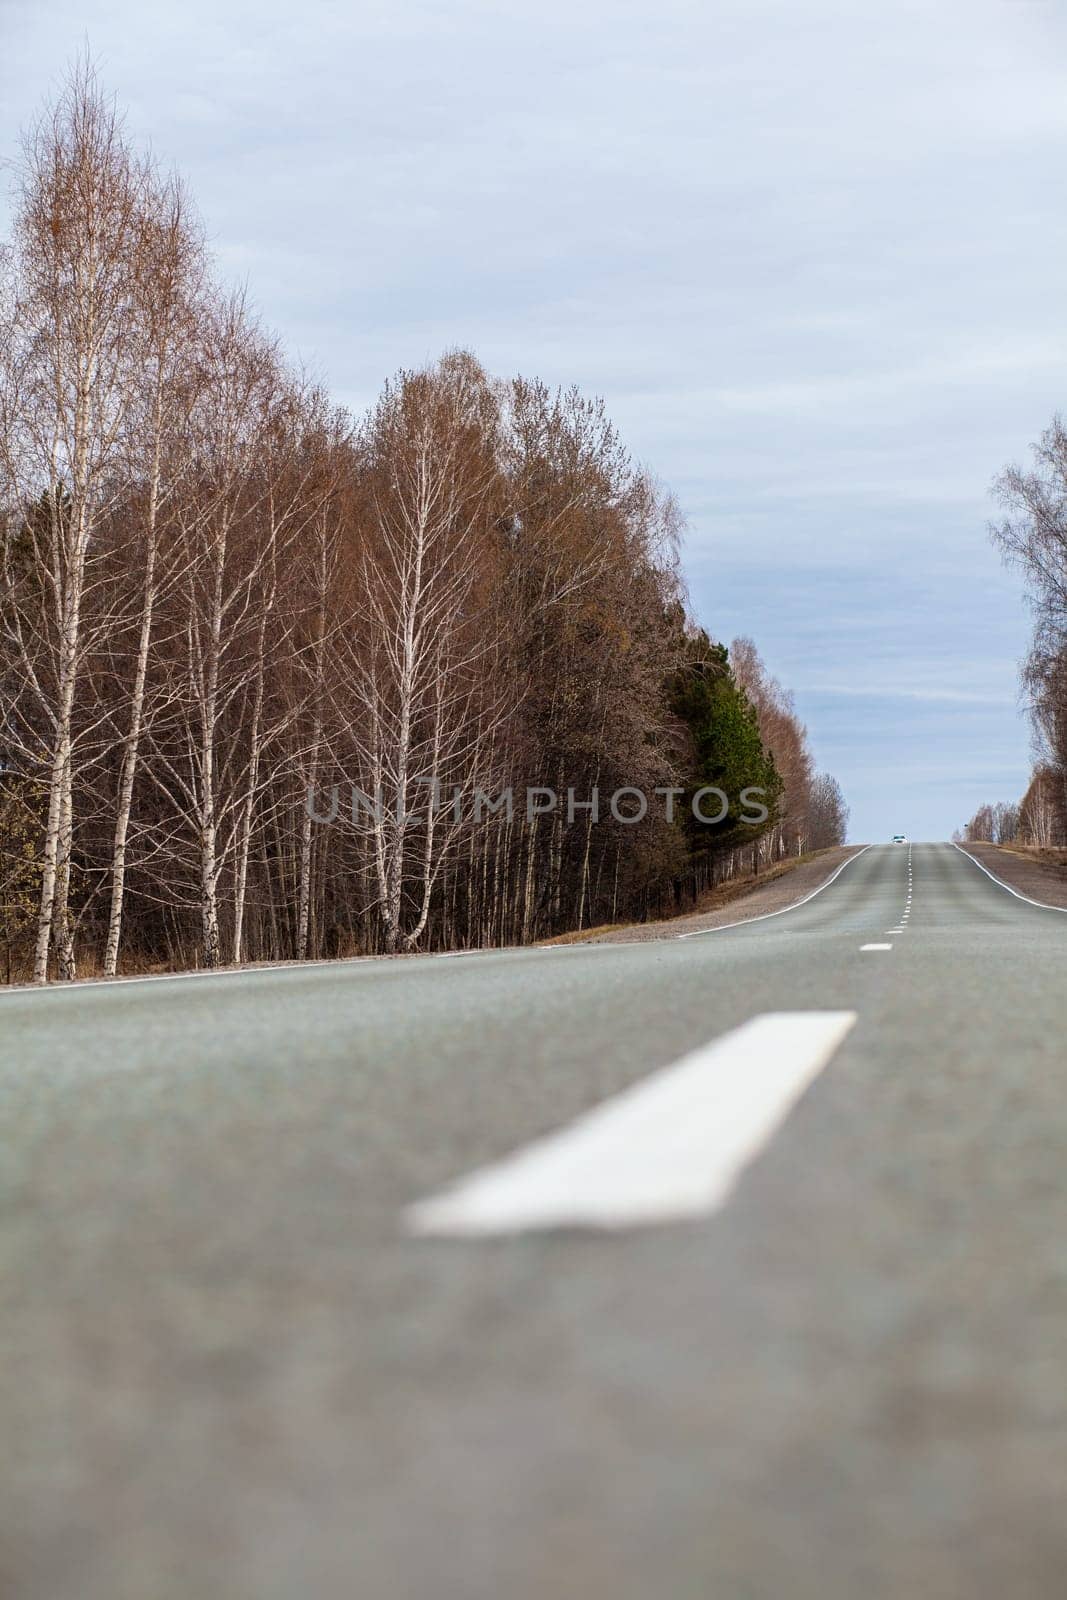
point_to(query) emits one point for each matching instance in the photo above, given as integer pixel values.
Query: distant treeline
(220, 593)
(1033, 537)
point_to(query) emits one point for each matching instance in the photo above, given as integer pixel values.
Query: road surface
(236, 1362)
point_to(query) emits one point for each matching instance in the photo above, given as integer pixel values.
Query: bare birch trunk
(247, 814)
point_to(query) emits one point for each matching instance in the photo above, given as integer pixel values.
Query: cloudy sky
(810, 252)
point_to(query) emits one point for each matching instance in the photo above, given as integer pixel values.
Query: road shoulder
(1040, 875)
(785, 886)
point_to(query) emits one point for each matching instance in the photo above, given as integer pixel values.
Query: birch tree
(213, 607)
(419, 668)
(70, 345)
(1032, 536)
(167, 310)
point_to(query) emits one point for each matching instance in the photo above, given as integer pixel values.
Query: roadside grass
(579, 935)
(1047, 855)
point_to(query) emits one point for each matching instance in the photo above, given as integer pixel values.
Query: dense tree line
(1039, 818)
(268, 674)
(1032, 535)
(994, 824)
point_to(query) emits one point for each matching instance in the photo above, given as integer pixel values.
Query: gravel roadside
(1039, 874)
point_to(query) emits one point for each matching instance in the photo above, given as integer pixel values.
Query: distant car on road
(900, 838)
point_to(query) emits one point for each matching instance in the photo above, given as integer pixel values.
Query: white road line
(84, 986)
(876, 947)
(672, 1146)
(88, 985)
(1042, 905)
(699, 933)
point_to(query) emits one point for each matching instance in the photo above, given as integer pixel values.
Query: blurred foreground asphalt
(227, 1371)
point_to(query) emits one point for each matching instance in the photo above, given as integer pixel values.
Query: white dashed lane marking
(672, 1146)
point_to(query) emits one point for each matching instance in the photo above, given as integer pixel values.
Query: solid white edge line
(670, 1147)
(87, 985)
(745, 922)
(1042, 905)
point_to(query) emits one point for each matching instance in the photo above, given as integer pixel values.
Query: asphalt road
(228, 1370)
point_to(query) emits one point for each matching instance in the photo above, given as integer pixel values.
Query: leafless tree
(70, 346)
(219, 596)
(1033, 537)
(169, 289)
